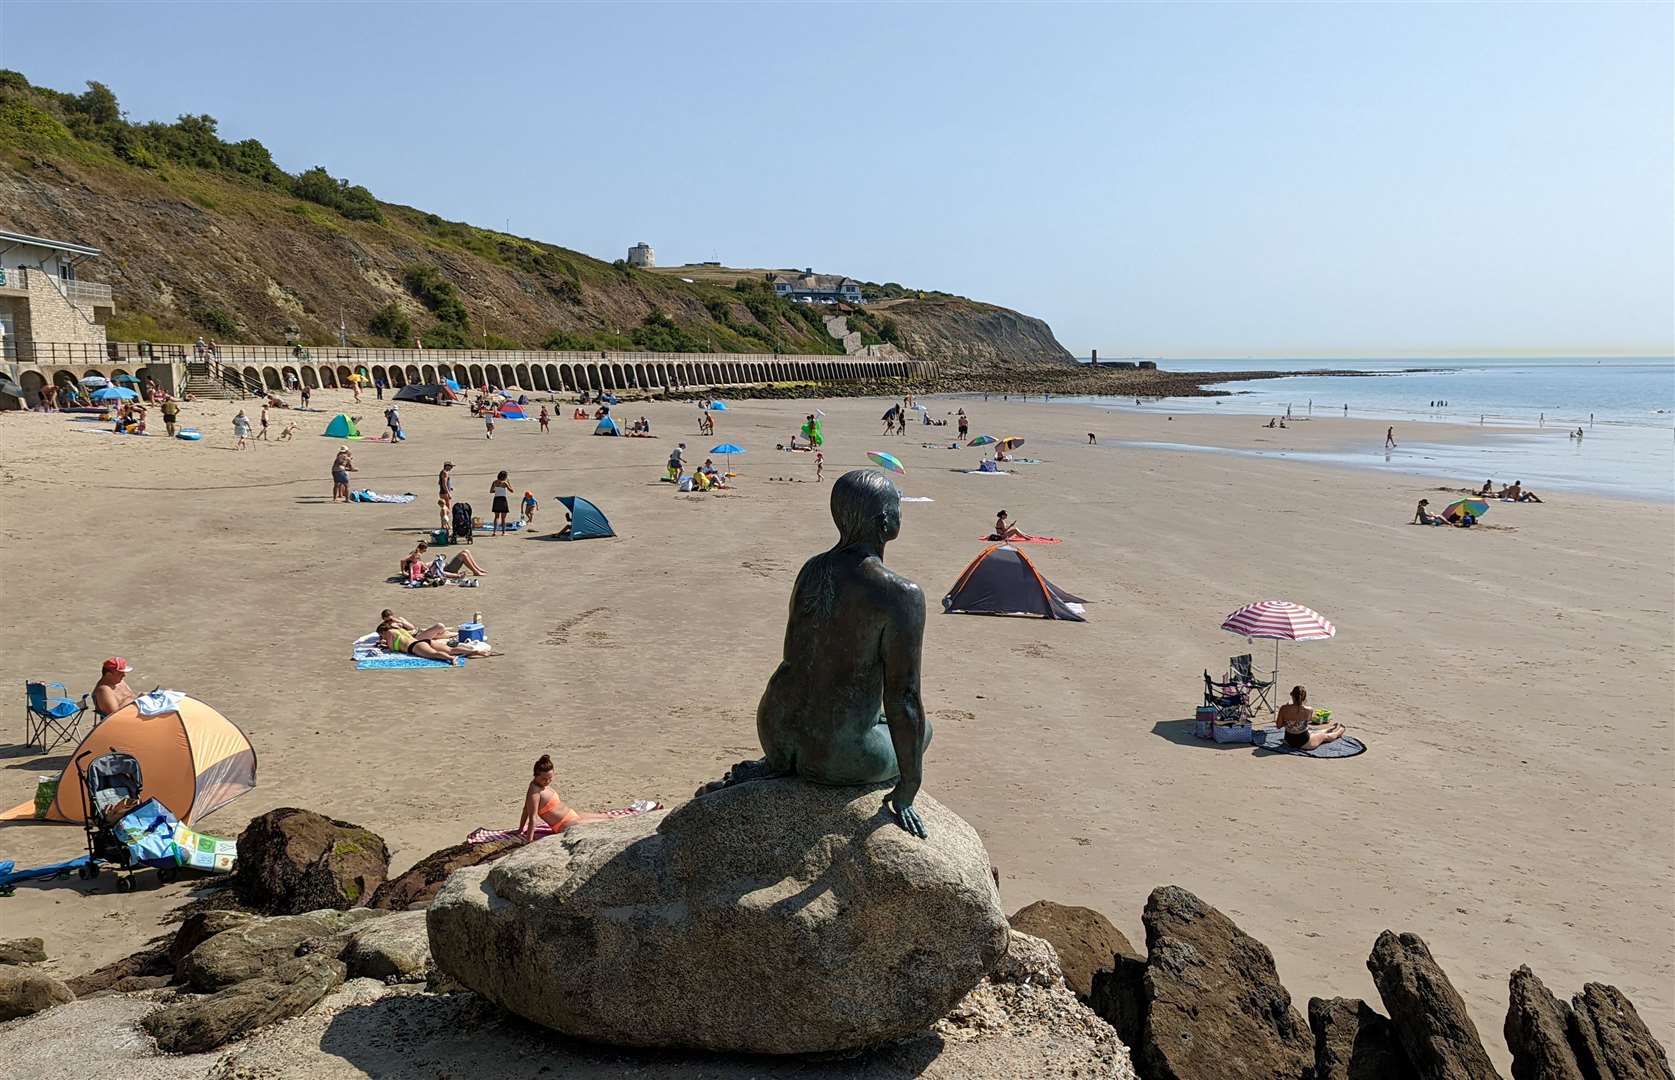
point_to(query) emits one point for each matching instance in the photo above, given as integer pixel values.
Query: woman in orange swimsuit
(541, 803)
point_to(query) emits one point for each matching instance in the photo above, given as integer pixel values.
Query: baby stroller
(462, 523)
(109, 782)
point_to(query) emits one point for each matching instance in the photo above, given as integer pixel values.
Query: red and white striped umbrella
(1281, 620)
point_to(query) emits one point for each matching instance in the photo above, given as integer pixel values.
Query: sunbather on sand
(1423, 516)
(541, 803)
(1004, 530)
(421, 553)
(432, 632)
(1296, 718)
(1488, 488)
(395, 639)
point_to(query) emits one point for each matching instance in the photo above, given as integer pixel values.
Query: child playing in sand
(529, 505)
(819, 466)
(290, 430)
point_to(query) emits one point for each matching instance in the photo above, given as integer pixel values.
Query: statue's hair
(858, 498)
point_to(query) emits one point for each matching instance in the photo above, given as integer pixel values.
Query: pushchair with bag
(125, 830)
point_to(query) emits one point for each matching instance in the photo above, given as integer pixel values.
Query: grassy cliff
(208, 237)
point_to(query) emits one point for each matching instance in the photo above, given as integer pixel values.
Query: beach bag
(462, 521)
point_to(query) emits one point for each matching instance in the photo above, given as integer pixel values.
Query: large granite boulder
(395, 948)
(1431, 1021)
(251, 949)
(417, 887)
(1537, 1031)
(1352, 1042)
(288, 989)
(772, 917)
(291, 861)
(25, 991)
(1212, 1001)
(1085, 940)
(23, 950)
(1611, 1041)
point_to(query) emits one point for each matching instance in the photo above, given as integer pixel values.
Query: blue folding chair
(47, 715)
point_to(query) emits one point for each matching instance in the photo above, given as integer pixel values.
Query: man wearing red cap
(113, 690)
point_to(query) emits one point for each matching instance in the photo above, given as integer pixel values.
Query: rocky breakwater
(772, 917)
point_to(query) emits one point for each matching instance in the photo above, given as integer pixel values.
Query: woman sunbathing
(541, 803)
(1296, 718)
(393, 638)
(456, 565)
(1423, 516)
(1004, 530)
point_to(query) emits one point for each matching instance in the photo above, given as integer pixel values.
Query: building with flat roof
(44, 296)
(641, 255)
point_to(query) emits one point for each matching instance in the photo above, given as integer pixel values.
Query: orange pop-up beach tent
(193, 760)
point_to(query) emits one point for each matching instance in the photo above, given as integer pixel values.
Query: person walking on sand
(964, 425)
(819, 467)
(501, 492)
(306, 394)
(262, 435)
(1389, 438)
(171, 413)
(241, 430)
(545, 418)
(342, 465)
(1093, 440)
(488, 421)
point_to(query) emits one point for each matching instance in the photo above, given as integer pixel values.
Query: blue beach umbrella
(729, 449)
(718, 406)
(451, 384)
(114, 393)
(127, 379)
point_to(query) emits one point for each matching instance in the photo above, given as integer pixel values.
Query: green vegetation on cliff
(205, 236)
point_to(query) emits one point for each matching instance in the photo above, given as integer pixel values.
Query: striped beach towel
(543, 830)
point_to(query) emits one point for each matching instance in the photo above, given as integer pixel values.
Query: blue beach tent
(587, 522)
(607, 426)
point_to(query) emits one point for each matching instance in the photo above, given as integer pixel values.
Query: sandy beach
(1511, 681)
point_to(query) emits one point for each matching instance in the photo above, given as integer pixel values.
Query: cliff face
(970, 338)
(205, 237)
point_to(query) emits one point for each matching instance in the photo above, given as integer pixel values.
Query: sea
(1624, 407)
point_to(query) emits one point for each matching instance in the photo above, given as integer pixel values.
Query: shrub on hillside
(437, 293)
(319, 186)
(392, 324)
(568, 341)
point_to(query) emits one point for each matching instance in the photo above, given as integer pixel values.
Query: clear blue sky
(1153, 180)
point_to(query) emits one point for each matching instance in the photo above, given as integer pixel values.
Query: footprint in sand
(1035, 650)
(954, 716)
(560, 634)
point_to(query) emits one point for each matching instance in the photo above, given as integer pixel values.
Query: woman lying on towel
(421, 554)
(541, 803)
(397, 635)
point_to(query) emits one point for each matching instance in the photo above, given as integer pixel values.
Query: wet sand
(1512, 681)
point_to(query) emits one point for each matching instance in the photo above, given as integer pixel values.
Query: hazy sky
(1152, 180)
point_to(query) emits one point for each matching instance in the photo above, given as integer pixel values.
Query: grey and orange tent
(194, 761)
(1003, 581)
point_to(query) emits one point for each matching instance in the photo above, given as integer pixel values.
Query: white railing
(85, 294)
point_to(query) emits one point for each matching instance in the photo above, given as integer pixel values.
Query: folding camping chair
(48, 715)
(1239, 671)
(1231, 700)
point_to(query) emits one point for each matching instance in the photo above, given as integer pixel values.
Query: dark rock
(25, 991)
(204, 1023)
(251, 949)
(776, 917)
(1119, 999)
(1352, 1042)
(1084, 939)
(200, 926)
(1538, 1032)
(149, 963)
(1213, 1005)
(1431, 1021)
(1610, 1039)
(23, 950)
(291, 861)
(419, 884)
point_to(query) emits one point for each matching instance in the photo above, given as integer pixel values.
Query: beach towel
(1348, 746)
(986, 472)
(917, 498)
(512, 525)
(1024, 539)
(543, 830)
(370, 496)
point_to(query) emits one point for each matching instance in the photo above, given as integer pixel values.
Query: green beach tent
(342, 427)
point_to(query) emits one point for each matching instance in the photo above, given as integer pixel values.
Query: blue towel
(9, 876)
(376, 662)
(1348, 746)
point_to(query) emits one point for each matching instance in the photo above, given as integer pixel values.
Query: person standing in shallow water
(843, 707)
